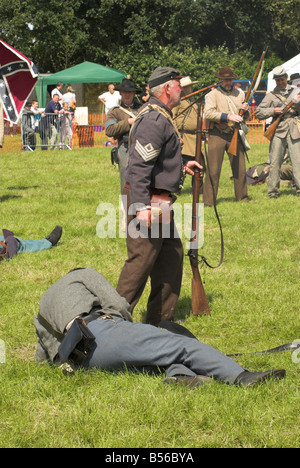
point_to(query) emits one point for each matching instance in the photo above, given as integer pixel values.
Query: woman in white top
(70, 97)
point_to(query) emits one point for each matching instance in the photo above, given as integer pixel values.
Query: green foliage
(136, 35)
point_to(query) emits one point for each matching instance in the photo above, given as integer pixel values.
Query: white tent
(291, 66)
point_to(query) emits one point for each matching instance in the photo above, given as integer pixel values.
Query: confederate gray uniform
(155, 167)
(119, 343)
(286, 137)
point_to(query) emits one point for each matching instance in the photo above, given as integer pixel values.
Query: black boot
(55, 235)
(248, 379)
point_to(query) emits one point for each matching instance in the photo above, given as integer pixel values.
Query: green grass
(254, 299)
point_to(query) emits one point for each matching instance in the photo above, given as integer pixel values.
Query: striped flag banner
(18, 76)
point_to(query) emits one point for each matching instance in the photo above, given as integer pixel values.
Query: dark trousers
(159, 257)
(218, 143)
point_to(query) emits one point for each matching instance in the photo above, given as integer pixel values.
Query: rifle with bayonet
(269, 133)
(256, 78)
(200, 304)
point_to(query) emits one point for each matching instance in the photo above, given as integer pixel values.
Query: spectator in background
(111, 98)
(48, 124)
(35, 108)
(36, 113)
(65, 127)
(70, 98)
(28, 128)
(58, 90)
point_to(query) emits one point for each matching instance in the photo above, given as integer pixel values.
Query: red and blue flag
(18, 76)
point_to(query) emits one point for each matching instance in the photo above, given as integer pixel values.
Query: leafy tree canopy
(135, 36)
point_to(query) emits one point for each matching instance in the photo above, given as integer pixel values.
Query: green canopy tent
(85, 72)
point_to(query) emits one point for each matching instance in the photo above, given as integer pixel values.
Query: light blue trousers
(133, 345)
(31, 245)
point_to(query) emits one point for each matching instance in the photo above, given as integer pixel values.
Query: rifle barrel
(201, 90)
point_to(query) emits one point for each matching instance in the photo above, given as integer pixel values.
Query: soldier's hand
(277, 110)
(144, 217)
(131, 120)
(245, 106)
(234, 118)
(191, 166)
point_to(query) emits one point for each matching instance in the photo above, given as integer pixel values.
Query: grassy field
(254, 299)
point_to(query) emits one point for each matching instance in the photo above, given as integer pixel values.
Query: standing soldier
(222, 112)
(155, 169)
(119, 121)
(287, 134)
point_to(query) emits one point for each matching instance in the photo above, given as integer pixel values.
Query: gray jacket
(278, 98)
(78, 292)
(154, 155)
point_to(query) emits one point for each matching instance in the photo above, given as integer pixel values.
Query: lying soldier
(10, 245)
(83, 320)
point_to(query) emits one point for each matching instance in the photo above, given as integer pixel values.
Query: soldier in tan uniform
(186, 122)
(222, 112)
(1, 124)
(119, 121)
(287, 135)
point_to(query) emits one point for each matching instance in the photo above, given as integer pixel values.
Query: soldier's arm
(210, 109)
(116, 123)
(266, 108)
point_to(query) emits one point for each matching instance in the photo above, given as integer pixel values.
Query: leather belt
(153, 191)
(189, 132)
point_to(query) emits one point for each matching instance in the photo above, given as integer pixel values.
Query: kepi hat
(162, 75)
(226, 73)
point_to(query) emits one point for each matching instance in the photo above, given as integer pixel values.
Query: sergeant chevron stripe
(147, 152)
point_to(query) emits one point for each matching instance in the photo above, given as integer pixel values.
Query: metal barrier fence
(46, 130)
(87, 131)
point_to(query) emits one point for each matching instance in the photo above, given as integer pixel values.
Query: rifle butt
(200, 304)
(234, 143)
(269, 133)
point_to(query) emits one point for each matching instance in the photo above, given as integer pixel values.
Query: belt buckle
(106, 317)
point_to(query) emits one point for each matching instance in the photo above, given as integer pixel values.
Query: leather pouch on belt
(77, 342)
